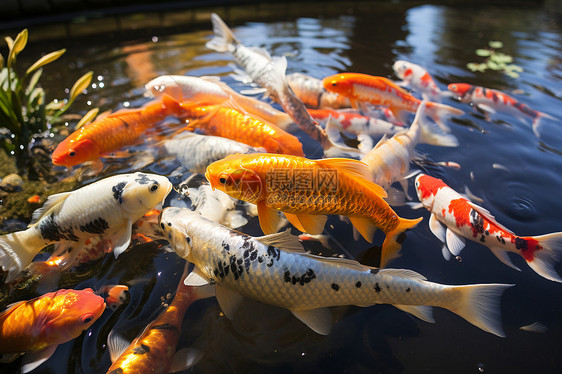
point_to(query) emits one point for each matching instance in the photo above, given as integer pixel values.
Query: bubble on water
(101, 85)
(94, 85)
(458, 258)
(480, 368)
(126, 104)
(154, 39)
(100, 78)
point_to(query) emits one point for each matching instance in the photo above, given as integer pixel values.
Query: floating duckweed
(495, 60)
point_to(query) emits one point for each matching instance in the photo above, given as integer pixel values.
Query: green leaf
(483, 52)
(513, 67)
(47, 59)
(88, 117)
(1, 62)
(495, 66)
(33, 82)
(472, 66)
(81, 84)
(501, 58)
(496, 44)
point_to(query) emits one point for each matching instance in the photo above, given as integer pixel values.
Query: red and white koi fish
(454, 218)
(364, 88)
(311, 92)
(114, 295)
(418, 79)
(492, 101)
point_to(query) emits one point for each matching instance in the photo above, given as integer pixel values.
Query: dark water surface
(524, 195)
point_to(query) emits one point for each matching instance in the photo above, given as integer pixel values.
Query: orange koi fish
(230, 123)
(115, 295)
(382, 91)
(454, 218)
(307, 190)
(36, 327)
(155, 349)
(113, 132)
(492, 101)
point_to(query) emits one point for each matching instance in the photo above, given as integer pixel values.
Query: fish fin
(122, 239)
(6, 358)
(116, 345)
(365, 227)
(537, 122)
(33, 359)
(455, 242)
(196, 278)
(277, 76)
(268, 217)
(343, 262)
(254, 91)
(229, 300)
(204, 292)
(401, 114)
(235, 219)
(414, 205)
(479, 304)
(503, 256)
(423, 312)
(403, 273)
(445, 252)
(534, 327)
(309, 223)
(355, 168)
(283, 240)
(319, 320)
(14, 255)
(431, 133)
(437, 228)
(9, 309)
(396, 197)
(333, 129)
(486, 108)
(440, 112)
(392, 243)
(184, 359)
(67, 251)
(52, 205)
(484, 212)
(261, 51)
(224, 40)
(472, 197)
(547, 255)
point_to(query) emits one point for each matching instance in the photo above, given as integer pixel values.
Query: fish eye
(72, 153)
(454, 87)
(334, 84)
(154, 187)
(222, 180)
(87, 319)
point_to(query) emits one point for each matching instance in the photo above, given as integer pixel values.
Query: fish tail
(537, 122)
(441, 112)
(544, 255)
(394, 238)
(479, 304)
(224, 40)
(430, 133)
(14, 255)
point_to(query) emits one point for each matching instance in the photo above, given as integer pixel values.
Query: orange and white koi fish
(307, 190)
(454, 218)
(492, 101)
(154, 350)
(382, 91)
(418, 79)
(275, 270)
(114, 295)
(389, 161)
(311, 92)
(209, 91)
(113, 132)
(269, 73)
(36, 327)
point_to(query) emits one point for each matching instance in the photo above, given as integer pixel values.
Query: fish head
(339, 83)
(73, 151)
(402, 68)
(426, 188)
(138, 193)
(71, 312)
(235, 177)
(462, 90)
(178, 226)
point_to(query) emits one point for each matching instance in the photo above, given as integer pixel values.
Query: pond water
(522, 195)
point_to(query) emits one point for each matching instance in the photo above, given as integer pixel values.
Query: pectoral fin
(455, 242)
(196, 278)
(437, 228)
(319, 320)
(184, 359)
(269, 218)
(503, 256)
(229, 300)
(116, 345)
(365, 227)
(33, 360)
(122, 239)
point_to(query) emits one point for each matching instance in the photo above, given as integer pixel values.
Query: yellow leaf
(47, 59)
(9, 41)
(88, 117)
(81, 84)
(20, 42)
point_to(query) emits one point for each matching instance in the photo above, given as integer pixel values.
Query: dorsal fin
(344, 262)
(282, 240)
(357, 169)
(484, 212)
(52, 204)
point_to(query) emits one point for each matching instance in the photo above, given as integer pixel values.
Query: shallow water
(523, 195)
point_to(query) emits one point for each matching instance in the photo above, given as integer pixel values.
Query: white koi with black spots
(274, 269)
(107, 207)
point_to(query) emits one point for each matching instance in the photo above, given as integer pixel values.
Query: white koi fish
(389, 160)
(454, 218)
(274, 269)
(418, 79)
(195, 152)
(313, 94)
(107, 207)
(269, 73)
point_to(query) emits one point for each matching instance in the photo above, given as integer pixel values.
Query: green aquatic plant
(23, 110)
(495, 61)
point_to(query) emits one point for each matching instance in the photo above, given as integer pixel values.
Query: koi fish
(107, 207)
(492, 101)
(209, 91)
(115, 295)
(454, 218)
(36, 327)
(154, 350)
(113, 132)
(389, 160)
(311, 92)
(275, 270)
(269, 73)
(382, 91)
(195, 152)
(307, 190)
(230, 123)
(418, 78)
